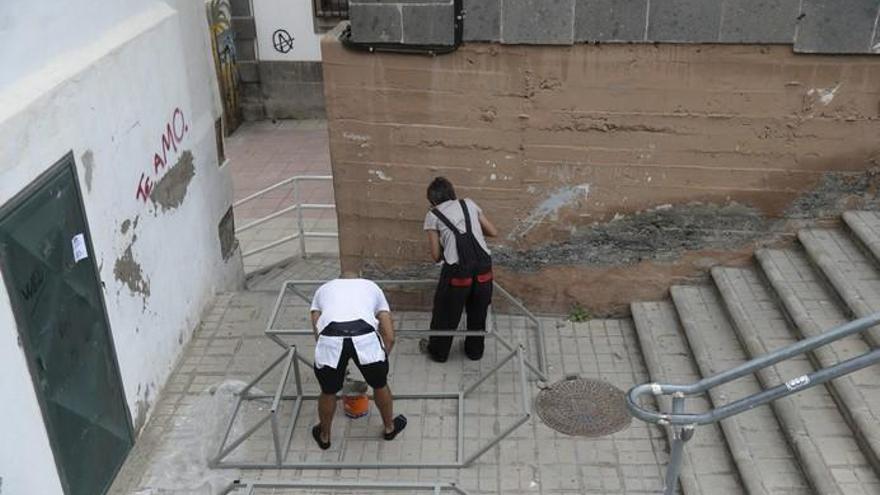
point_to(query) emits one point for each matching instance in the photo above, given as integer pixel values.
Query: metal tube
(792, 350)
(280, 184)
(228, 429)
(299, 220)
(277, 307)
(297, 406)
(794, 385)
(495, 440)
(352, 485)
(489, 373)
(271, 245)
(459, 457)
(291, 355)
(296, 376)
(407, 333)
(261, 221)
(523, 381)
(275, 440)
(535, 370)
(320, 235)
(340, 465)
(244, 436)
(673, 469)
(262, 375)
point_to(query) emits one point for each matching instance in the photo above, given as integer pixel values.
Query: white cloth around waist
(368, 347)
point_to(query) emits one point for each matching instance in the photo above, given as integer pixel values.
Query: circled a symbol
(282, 41)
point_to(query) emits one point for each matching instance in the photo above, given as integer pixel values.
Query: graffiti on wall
(282, 41)
(223, 44)
(172, 135)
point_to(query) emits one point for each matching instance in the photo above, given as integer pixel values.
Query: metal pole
(299, 219)
(496, 440)
(489, 373)
(460, 454)
(673, 470)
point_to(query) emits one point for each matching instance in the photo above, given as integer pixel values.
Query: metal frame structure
(682, 424)
(253, 486)
(290, 361)
(297, 207)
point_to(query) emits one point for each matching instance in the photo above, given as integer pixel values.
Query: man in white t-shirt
(347, 316)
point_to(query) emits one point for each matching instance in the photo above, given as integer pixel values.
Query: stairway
(823, 440)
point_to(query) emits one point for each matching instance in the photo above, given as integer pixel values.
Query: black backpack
(473, 260)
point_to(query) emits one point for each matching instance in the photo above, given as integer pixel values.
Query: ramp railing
(682, 424)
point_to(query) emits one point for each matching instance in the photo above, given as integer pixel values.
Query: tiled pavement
(262, 154)
(229, 348)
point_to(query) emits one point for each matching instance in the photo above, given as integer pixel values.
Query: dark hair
(440, 190)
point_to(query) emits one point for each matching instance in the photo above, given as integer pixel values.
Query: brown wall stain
(559, 143)
(170, 191)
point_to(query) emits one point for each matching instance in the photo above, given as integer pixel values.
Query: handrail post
(299, 219)
(680, 436)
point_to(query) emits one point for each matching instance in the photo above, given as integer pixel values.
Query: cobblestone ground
(230, 348)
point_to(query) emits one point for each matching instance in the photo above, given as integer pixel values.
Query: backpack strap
(445, 220)
(467, 217)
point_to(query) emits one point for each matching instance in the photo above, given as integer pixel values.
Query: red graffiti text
(174, 132)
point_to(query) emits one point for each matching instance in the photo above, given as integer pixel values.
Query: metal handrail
(683, 424)
(296, 207)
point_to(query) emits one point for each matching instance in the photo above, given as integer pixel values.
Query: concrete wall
(813, 26)
(611, 170)
(127, 71)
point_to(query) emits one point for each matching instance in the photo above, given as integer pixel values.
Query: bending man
(346, 314)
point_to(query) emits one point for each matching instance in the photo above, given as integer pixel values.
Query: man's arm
(386, 329)
(434, 243)
(315, 316)
(488, 227)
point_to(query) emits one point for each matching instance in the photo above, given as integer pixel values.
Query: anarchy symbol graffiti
(282, 41)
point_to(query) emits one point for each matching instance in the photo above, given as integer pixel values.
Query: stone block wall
(612, 170)
(812, 26)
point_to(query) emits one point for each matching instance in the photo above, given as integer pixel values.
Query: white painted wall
(295, 16)
(109, 91)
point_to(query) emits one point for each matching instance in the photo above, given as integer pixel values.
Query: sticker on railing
(796, 383)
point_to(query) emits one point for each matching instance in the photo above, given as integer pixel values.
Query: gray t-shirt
(452, 210)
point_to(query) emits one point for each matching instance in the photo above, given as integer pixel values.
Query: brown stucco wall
(611, 170)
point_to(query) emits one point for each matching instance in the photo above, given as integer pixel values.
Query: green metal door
(48, 265)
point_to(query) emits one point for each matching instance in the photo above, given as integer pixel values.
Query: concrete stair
(823, 440)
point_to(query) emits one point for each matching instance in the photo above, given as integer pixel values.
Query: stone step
(811, 420)
(851, 273)
(763, 457)
(865, 225)
(708, 467)
(812, 308)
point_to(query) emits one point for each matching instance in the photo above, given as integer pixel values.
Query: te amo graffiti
(174, 132)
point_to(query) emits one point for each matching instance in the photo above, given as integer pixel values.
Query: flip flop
(399, 425)
(316, 434)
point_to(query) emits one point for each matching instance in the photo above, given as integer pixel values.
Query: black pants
(449, 301)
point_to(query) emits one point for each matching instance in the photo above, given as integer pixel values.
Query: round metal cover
(583, 407)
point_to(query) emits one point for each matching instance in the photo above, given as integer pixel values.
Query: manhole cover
(583, 407)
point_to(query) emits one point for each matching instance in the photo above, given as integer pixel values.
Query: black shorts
(331, 379)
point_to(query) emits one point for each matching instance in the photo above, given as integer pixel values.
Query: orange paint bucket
(355, 401)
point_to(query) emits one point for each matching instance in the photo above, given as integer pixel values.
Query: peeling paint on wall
(170, 191)
(142, 406)
(129, 272)
(825, 95)
(88, 161)
(380, 175)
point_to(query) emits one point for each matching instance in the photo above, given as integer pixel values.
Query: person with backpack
(456, 235)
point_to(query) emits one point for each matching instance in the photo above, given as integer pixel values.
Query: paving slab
(171, 454)
(762, 455)
(813, 309)
(708, 466)
(810, 418)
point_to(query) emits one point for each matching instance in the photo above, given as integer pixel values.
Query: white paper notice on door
(79, 248)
